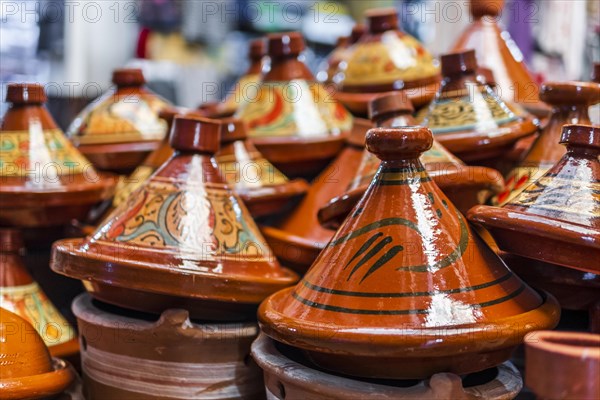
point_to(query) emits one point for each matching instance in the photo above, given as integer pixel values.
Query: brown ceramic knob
(486, 76)
(570, 93)
(596, 72)
(391, 103)
(128, 77)
(459, 63)
(11, 241)
(398, 144)
(285, 44)
(382, 19)
(581, 137)
(196, 134)
(482, 8)
(25, 93)
(357, 32)
(342, 41)
(232, 129)
(257, 50)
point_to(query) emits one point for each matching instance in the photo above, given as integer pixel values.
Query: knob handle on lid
(382, 19)
(482, 8)
(25, 93)
(569, 93)
(459, 63)
(285, 44)
(128, 77)
(195, 134)
(357, 32)
(393, 102)
(232, 129)
(11, 241)
(258, 49)
(390, 144)
(581, 136)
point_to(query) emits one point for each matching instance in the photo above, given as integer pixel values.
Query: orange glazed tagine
(183, 239)
(405, 289)
(118, 130)
(292, 119)
(386, 59)
(469, 118)
(45, 181)
(28, 370)
(556, 219)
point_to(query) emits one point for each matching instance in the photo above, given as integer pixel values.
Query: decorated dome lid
(405, 289)
(118, 130)
(556, 219)
(46, 181)
(468, 117)
(184, 239)
(28, 371)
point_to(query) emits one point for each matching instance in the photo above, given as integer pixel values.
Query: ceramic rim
(279, 239)
(268, 200)
(284, 150)
(39, 386)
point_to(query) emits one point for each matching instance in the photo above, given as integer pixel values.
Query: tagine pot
(45, 181)
(465, 186)
(386, 59)
(184, 239)
(333, 68)
(259, 64)
(117, 131)
(469, 118)
(563, 365)
(292, 119)
(28, 370)
(556, 218)
(497, 51)
(570, 102)
(405, 289)
(129, 355)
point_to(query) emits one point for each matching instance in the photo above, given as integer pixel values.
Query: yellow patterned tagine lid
(405, 289)
(292, 118)
(44, 179)
(469, 118)
(556, 219)
(117, 131)
(184, 239)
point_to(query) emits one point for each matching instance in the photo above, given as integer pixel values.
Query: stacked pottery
(46, 182)
(183, 240)
(497, 51)
(118, 130)
(383, 60)
(20, 294)
(465, 186)
(405, 289)
(28, 370)
(469, 118)
(291, 118)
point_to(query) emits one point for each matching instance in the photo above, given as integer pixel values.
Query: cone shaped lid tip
(390, 144)
(285, 44)
(390, 103)
(23, 93)
(196, 134)
(128, 77)
(11, 240)
(458, 63)
(232, 129)
(382, 19)
(587, 136)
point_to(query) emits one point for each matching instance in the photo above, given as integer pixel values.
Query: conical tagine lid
(557, 218)
(465, 186)
(117, 131)
(262, 187)
(570, 102)
(28, 371)
(184, 239)
(333, 68)
(20, 294)
(469, 118)
(292, 118)
(405, 289)
(45, 181)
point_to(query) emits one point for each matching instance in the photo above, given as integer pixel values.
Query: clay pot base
(121, 158)
(269, 200)
(288, 375)
(542, 238)
(39, 386)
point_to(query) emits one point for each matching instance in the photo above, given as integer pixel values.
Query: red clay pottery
(28, 370)
(20, 294)
(183, 239)
(259, 64)
(465, 186)
(292, 119)
(117, 131)
(570, 102)
(138, 356)
(563, 365)
(288, 375)
(386, 59)
(262, 187)
(497, 51)
(557, 218)
(596, 73)
(45, 181)
(405, 289)
(469, 118)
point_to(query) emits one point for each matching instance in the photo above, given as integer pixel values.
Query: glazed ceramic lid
(28, 371)
(496, 50)
(570, 102)
(556, 219)
(262, 187)
(405, 288)
(124, 120)
(468, 117)
(45, 180)
(20, 294)
(183, 239)
(334, 66)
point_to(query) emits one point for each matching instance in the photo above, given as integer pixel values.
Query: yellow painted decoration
(129, 184)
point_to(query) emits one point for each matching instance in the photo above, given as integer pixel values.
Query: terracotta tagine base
(288, 375)
(128, 355)
(563, 365)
